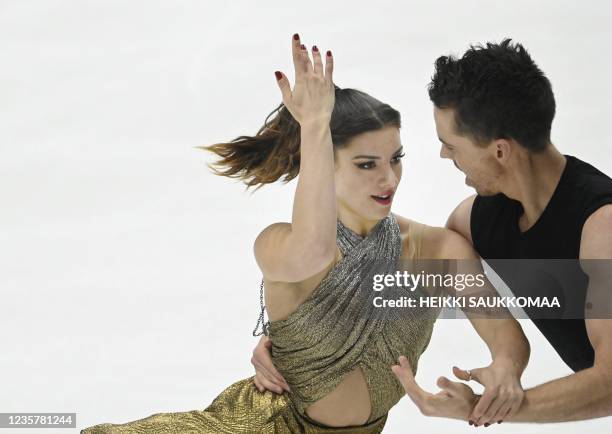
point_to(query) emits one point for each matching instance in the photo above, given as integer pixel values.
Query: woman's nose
(389, 179)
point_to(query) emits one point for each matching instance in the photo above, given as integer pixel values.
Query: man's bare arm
(503, 336)
(586, 394)
(459, 220)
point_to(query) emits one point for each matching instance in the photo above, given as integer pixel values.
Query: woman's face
(368, 171)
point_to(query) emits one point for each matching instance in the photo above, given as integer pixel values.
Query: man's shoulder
(588, 188)
(579, 166)
(586, 178)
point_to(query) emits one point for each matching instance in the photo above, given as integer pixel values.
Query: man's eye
(367, 165)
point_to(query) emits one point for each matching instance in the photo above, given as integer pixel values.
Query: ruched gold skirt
(239, 409)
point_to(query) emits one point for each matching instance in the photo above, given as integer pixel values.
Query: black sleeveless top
(582, 189)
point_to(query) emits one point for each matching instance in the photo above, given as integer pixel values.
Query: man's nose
(443, 152)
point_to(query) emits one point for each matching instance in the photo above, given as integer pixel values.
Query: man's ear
(503, 150)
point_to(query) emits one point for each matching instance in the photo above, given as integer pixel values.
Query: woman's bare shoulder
(443, 243)
(436, 242)
(407, 226)
(404, 224)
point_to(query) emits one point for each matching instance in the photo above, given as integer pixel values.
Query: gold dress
(335, 330)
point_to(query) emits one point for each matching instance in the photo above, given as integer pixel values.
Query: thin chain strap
(261, 320)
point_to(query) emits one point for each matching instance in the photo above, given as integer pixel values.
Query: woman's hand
(455, 400)
(266, 375)
(313, 96)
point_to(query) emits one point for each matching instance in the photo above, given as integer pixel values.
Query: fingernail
(315, 49)
(296, 36)
(278, 75)
(487, 424)
(328, 53)
(470, 422)
(499, 421)
(303, 47)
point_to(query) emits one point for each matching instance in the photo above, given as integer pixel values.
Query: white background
(127, 276)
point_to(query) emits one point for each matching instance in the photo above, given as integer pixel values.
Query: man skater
(493, 110)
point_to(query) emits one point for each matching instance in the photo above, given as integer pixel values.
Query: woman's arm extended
(292, 252)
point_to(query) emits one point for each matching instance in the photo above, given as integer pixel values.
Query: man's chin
(485, 192)
(479, 190)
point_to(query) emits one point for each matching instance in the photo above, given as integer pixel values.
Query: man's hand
(503, 392)
(455, 400)
(266, 375)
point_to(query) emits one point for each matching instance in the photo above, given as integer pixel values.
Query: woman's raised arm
(292, 252)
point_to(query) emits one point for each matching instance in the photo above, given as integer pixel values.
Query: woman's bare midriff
(349, 403)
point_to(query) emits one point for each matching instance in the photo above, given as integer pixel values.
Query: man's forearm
(506, 341)
(584, 395)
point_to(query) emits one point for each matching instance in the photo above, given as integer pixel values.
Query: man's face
(482, 170)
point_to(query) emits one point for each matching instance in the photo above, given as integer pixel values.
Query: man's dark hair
(497, 92)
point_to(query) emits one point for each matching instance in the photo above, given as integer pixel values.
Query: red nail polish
(278, 75)
(487, 424)
(303, 47)
(328, 53)
(296, 36)
(315, 49)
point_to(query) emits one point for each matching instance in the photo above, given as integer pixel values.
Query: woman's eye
(398, 157)
(367, 165)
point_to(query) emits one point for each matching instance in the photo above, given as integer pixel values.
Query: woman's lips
(382, 201)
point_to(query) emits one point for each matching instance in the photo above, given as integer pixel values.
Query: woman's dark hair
(497, 92)
(274, 152)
